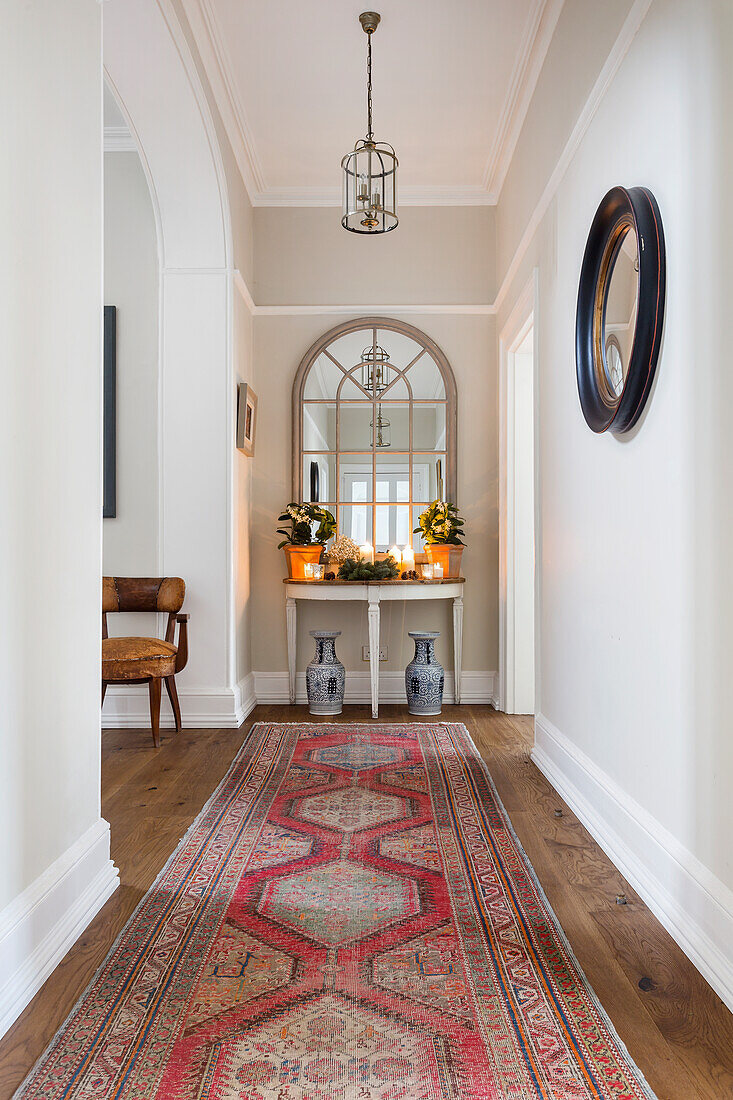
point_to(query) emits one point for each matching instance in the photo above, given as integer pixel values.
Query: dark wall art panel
(109, 415)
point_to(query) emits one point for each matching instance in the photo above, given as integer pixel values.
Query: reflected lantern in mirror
(375, 369)
(382, 430)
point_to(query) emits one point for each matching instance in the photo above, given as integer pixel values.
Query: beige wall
(469, 343)
(437, 255)
(443, 255)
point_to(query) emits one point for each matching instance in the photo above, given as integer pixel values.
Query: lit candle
(396, 555)
(408, 558)
(427, 571)
(308, 570)
(437, 571)
(367, 552)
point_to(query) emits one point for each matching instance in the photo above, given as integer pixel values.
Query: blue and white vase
(424, 677)
(325, 676)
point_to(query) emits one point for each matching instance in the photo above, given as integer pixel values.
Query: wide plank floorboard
(675, 1027)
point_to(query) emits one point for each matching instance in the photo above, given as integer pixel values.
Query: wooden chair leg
(154, 687)
(104, 690)
(170, 686)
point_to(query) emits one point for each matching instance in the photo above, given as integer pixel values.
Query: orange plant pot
(447, 555)
(297, 557)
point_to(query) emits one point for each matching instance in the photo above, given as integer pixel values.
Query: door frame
(522, 318)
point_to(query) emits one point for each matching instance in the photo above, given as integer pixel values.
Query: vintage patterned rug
(351, 917)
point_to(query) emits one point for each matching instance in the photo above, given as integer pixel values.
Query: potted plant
(300, 544)
(440, 526)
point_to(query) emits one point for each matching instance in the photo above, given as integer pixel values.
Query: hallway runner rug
(351, 917)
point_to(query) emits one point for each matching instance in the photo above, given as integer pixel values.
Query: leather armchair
(138, 660)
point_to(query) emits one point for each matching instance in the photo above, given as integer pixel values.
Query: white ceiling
(452, 82)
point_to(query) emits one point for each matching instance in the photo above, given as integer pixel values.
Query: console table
(374, 594)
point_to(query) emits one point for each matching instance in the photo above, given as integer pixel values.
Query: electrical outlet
(383, 651)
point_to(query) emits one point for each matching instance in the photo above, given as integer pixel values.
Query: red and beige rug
(351, 917)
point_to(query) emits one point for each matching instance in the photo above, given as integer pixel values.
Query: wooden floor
(676, 1029)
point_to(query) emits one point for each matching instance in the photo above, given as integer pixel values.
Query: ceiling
(452, 82)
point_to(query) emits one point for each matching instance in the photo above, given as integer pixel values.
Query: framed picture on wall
(246, 418)
(109, 414)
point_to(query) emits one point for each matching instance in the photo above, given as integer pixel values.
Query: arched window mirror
(374, 417)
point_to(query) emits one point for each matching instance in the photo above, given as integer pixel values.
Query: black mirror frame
(621, 209)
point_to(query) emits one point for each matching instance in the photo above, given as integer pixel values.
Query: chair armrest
(182, 655)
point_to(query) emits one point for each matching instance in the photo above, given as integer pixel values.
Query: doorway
(518, 510)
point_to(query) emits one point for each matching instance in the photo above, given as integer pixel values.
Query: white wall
(202, 217)
(131, 283)
(524, 521)
(634, 649)
(54, 860)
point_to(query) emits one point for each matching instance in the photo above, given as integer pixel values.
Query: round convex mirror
(620, 309)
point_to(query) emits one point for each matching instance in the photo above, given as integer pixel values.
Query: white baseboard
(42, 923)
(476, 687)
(201, 708)
(244, 698)
(693, 905)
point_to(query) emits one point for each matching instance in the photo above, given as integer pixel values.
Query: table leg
(291, 622)
(457, 646)
(374, 649)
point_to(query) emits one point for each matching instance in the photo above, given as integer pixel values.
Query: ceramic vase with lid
(424, 676)
(325, 676)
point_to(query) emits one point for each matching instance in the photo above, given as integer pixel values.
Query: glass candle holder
(318, 571)
(308, 568)
(427, 571)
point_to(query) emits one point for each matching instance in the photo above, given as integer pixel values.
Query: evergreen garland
(353, 570)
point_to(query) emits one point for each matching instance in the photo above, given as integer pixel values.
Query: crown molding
(535, 43)
(359, 310)
(407, 196)
(216, 65)
(621, 47)
(354, 309)
(118, 139)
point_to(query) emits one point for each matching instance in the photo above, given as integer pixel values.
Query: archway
(149, 68)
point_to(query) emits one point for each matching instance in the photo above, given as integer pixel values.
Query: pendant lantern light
(370, 169)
